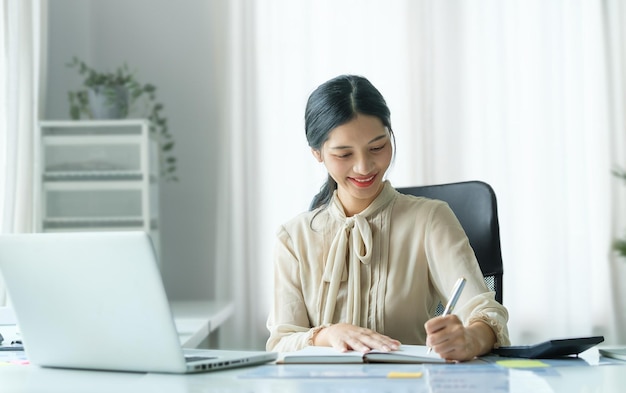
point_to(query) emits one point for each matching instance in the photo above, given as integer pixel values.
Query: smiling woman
(342, 279)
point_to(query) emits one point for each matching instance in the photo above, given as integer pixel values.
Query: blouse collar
(382, 200)
(350, 247)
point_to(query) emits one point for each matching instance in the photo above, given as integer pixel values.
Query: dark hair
(334, 103)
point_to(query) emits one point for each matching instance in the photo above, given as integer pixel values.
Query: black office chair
(474, 204)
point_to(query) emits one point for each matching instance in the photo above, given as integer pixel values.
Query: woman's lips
(363, 182)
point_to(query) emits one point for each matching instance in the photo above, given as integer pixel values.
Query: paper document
(406, 354)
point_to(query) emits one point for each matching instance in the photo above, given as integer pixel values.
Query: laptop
(95, 300)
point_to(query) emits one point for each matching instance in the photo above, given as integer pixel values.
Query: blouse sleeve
(486, 309)
(450, 256)
(288, 322)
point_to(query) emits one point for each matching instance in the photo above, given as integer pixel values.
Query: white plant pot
(108, 102)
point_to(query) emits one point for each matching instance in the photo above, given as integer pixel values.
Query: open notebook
(406, 354)
(95, 300)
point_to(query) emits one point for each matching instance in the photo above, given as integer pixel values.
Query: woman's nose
(363, 165)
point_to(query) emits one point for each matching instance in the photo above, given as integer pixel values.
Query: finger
(350, 337)
(443, 338)
(453, 353)
(380, 342)
(453, 346)
(346, 338)
(341, 346)
(435, 335)
(365, 340)
(434, 324)
(359, 345)
(436, 341)
(451, 319)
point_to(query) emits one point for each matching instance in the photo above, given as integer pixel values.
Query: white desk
(197, 322)
(437, 378)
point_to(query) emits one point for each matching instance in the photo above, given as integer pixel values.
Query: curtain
(514, 93)
(531, 98)
(237, 204)
(615, 17)
(21, 48)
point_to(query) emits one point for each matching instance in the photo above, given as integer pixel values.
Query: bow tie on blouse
(351, 247)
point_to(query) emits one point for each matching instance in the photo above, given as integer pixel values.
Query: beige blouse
(386, 268)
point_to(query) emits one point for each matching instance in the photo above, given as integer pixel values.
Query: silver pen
(456, 293)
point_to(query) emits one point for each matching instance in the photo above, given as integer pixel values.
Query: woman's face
(357, 155)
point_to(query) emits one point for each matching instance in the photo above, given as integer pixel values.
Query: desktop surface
(573, 377)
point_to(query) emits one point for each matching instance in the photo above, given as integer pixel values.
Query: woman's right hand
(345, 337)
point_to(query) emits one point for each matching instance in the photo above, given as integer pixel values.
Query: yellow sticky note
(399, 374)
(522, 363)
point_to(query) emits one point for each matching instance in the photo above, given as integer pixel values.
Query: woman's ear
(317, 154)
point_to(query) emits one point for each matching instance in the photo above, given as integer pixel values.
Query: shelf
(90, 222)
(97, 222)
(97, 175)
(93, 127)
(88, 175)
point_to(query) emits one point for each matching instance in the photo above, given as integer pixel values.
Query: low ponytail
(326, 193)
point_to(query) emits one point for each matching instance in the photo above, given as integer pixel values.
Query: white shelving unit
(97, 175)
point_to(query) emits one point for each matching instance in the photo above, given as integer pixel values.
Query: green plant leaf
(74, 112)
(619, 173)
(620, 246)
(123, 76)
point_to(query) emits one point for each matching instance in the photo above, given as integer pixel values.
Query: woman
(367, 266)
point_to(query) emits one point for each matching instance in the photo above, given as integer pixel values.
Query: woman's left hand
(447, 336)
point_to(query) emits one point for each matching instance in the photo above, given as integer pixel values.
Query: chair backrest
(474, 204)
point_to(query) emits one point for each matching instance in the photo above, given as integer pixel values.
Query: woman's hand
(345, 337)
(447, 336)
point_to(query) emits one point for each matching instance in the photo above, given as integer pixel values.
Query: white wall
(173, 45)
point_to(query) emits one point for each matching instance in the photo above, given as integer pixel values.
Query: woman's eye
(344, 155)
(378, 148)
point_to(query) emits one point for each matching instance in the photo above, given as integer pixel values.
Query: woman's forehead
(362, 129)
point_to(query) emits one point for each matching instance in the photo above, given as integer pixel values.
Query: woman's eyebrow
(377, 138)
(369, 143)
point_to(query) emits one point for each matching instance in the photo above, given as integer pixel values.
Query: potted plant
(110, 95)
(619, 245)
